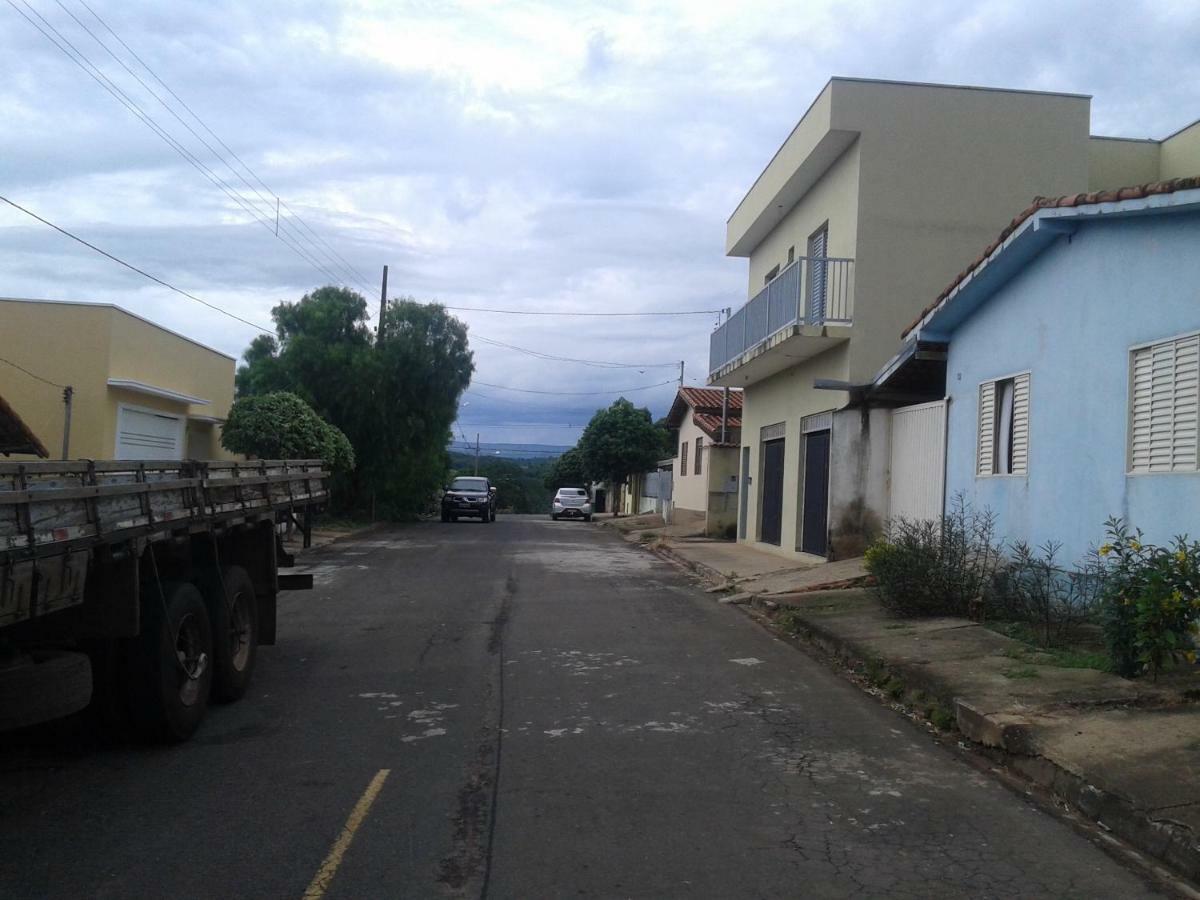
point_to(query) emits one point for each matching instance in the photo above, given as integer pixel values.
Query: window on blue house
(1003, 444)
(1164, 390)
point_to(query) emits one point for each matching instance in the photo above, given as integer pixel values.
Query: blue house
(1073, 368)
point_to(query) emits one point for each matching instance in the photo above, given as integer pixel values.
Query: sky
(543, 157)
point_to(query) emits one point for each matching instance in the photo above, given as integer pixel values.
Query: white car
(571, 503)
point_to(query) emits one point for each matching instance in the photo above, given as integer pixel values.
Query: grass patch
(1021, 672)
(1078, 656)
(789, 620)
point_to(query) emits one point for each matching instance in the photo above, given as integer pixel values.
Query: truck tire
(170, 663)
(233, 613)
(46, 685)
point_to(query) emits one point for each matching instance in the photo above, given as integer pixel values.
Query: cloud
(530, 155)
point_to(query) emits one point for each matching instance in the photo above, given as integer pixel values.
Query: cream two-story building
(879, 196)
(138, 390)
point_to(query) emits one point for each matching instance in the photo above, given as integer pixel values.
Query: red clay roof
(710, 398)
(1134, 192)
(710, 424)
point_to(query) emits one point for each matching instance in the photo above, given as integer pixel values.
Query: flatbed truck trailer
(142, 588)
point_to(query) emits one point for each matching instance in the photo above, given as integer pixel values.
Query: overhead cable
(88, 67)
(344, 264)
(134, 268)
(644, 387)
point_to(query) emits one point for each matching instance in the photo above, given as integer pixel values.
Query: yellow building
(139, 391)
(880, 195)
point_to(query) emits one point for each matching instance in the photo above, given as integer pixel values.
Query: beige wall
(942, 171)
(1116, 162)
(787, 397)
(721, 463)
(832, 200)
(689, 491)
(1181, 153)
(84, 345)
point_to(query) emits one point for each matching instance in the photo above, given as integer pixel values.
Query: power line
(80, 58)
(34, 375)
(346, 266)
(600, 364)
(644, 387)
(134, 268)
(529, 312)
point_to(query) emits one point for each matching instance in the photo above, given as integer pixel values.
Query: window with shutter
(699, 453)
(1164, 387)
(987, 428)
(1019, 439)
(683, 449)
(1003, 447)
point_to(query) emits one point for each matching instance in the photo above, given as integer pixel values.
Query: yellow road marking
(321, 881)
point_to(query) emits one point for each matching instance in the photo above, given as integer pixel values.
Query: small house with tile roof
(704, 484)
(1072, 371)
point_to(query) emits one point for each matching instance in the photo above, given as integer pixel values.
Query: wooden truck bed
(53, 514)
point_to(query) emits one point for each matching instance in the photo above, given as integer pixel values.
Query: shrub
(282, 426)
(935, 567)
(1150, 598)
(1033, 588)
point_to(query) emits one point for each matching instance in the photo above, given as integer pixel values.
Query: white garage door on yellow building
(139, 391)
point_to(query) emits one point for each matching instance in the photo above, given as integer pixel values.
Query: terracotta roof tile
(710, 424)
(710, 398)
(15, 435)
(1133, 192)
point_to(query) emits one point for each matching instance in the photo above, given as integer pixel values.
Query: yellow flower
(1135, 546)
(1106, 549)
(1181, 556)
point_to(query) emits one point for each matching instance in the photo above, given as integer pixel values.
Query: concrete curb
(1012, 741)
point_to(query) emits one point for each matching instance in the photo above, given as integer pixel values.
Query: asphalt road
(528, 709)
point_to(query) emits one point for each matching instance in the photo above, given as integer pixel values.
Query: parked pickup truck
(143, 588)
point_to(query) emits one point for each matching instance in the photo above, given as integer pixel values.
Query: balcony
(804, 311)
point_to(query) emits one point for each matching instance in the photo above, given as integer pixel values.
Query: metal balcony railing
(810, 291)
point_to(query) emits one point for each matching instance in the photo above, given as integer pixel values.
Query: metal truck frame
(142, 587)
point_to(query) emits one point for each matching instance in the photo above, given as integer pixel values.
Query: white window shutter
(1165, 391)
(1187, 400)
(987, 428)
(1020, 425)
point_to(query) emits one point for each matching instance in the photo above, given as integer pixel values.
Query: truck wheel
(47, 685)
(171, 668)
(234, 617)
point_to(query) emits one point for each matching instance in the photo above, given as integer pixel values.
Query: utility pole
(382, 304)
(681, 373)
(68, 394)
(477, 453)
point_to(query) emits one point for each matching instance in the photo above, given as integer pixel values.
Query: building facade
(880, 194)
(704, 484)
(138, 391)
(1073, 374)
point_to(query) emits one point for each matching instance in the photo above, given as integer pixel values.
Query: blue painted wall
(1070, 318)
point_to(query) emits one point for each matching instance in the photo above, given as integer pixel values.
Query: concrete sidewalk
(1122, 752)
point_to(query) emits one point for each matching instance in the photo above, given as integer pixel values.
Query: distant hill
(509, 451)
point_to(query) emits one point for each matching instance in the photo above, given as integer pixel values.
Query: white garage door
(918, 461)
(147, 435)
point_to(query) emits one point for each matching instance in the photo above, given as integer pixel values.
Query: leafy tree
(395, 397)
(282, 426)
(620, 441)
(566, 471)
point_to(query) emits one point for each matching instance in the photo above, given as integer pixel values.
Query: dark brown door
(813, 537)
(772, 492)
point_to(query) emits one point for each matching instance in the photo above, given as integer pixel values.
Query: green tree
(395, 397)
(566, 471)
(620, 441)
(282, 426)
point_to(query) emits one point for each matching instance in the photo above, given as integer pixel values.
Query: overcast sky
(560, 156)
